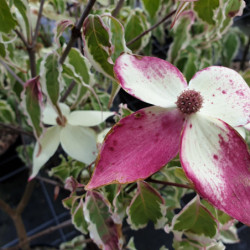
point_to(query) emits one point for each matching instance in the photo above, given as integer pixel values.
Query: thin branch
(16, 129)
(12, 72)
(151, 28)
(167, 183)
(244, 57)
(47, 231)
(117, 9)
(26, 197)
(20, 35)
(42, 233)
(6, 208)
(32, 57)
(21, 231)
(85, 13)
(31, 53)
(76, 30)
(68, 91)
(34, 38)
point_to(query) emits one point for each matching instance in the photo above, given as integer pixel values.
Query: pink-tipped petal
(225, 94)
(217, 161)
(150, 79)
(138, 146)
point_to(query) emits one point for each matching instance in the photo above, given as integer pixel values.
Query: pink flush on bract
(193, 120)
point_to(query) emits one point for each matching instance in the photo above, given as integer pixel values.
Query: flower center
(190, 101)
(61, 121)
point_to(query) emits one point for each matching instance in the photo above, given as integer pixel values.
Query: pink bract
(214, 157)
(118, 163)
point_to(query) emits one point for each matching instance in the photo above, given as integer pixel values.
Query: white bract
(75, 136)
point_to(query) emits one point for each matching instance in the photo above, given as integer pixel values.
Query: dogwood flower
(73, 132)
(194, 120)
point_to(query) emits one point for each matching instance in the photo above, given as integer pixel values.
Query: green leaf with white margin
(32, 105)
(76, 243)
(6, 20)
(181, 35)
(120, 202)
(78, 218)
(206, 9)
(131, 244)
(75, 204)
(117, 36)
(7, 115)
(23, 8)
(60, 28)
(51, 77)
(229, 236)
(152, 8)
(77, 67)
(97, 45)
(231, 44)
(185, 245)
(195, 221)
(134, 26)
(103, 231)
(222, 217)
(216, 246)
(230, 9)
(25, 152)
(228, 232)
(68, 167)
(147, 205)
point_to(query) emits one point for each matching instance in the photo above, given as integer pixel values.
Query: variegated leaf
(75, 204)
(61, 26)
(147, 205)
(104, 232)
(78, 218)
(97, 45)
(76, 243)
(68, 167)
(206, 10)
(32, 104)
(77, 67)
(195, 221)
(7, 115)
(51, 77)
(117, 36)
(228, 10)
